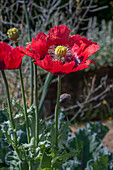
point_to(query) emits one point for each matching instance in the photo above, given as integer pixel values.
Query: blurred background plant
(86, 18)
(102, 34)
(93, 104)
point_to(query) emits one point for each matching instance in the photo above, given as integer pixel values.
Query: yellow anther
(60, 51)
(13, 34)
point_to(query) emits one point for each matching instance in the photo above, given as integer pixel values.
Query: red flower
(10, 58)
(60, 54)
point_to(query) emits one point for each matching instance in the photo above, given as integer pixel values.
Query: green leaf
(46, 161)
(98, 128)
(87, 145)
(46, 86)
(19, 122)
(50, 133)
(17, 105)
(71, 165)
(110, 160)
(100, 163)
(22, 136)
(63, 136)
(3, 117)
(30, 145)
(31, 113)
(61, 158)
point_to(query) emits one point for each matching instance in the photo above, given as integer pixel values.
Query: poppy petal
(59, 34)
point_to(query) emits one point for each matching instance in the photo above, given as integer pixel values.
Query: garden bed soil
(108, 139)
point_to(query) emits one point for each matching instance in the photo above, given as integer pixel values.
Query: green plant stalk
(57, 109)
(25, 107)
(9, 106)
(29, 36)
(10, 115)
(46, 86)
(36, 111)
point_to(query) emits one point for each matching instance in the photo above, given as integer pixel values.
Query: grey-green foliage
(88, 144)
(3, 145)
(46, 154)
(98, 164)
(98, 128)
(103, 35)
(110, 160)
(82, 151)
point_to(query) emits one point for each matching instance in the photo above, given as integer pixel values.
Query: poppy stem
(36, 111)
(10, 115)
(9, 106)
(57, 109)
(25, 107)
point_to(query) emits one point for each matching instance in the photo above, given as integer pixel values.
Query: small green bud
(13, 34)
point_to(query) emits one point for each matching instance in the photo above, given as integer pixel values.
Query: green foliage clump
(83, 150)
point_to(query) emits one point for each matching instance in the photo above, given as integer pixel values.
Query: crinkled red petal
(74, 39)
(82, 47)
(49, 65)
(59, 35)
(14, 58)
(4, 50)
(56, 66)
(83, 65)
(39, 43)
(31, 53)
(10, 57)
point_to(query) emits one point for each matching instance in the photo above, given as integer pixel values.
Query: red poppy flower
(59, 53)
(10, 58)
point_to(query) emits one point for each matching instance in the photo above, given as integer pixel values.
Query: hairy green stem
(25, 107)
(57, 110)
(10, 116)
(9, 106)
(36, 111)
(29, 36)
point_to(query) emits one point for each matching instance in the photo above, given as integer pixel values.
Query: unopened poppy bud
(60, 51)
(13, 34)
(65, 97)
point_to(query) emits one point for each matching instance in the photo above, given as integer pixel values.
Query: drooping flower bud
(65, 98)
(13, 34)
(60, 51)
